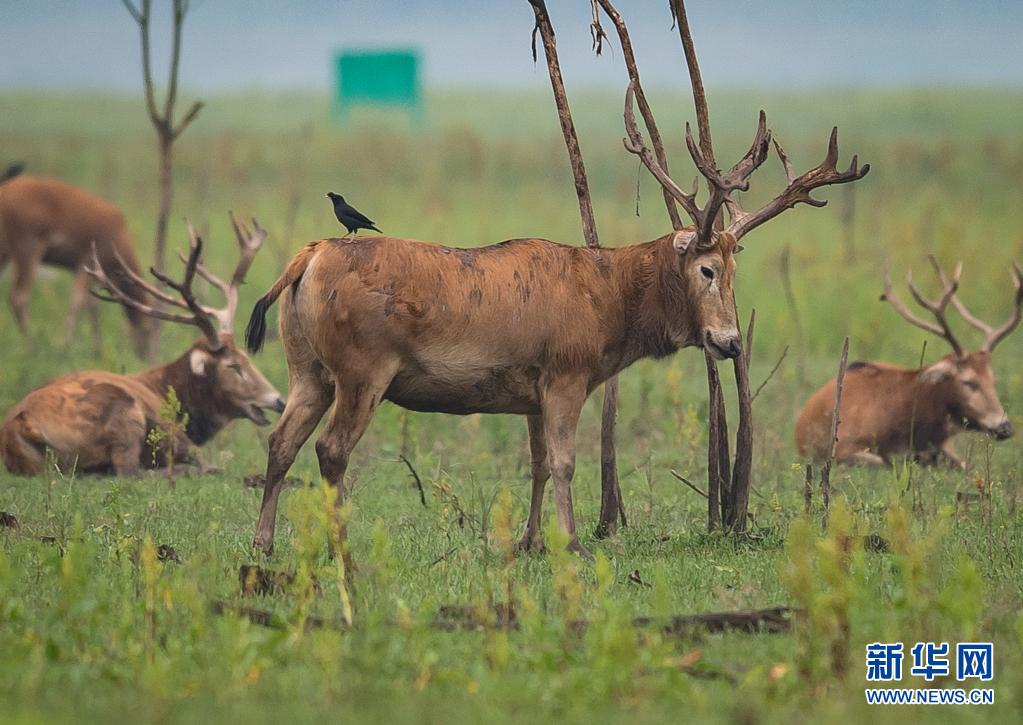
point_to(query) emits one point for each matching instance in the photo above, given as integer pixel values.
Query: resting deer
(888, 410)
(527, 326)
(99, 422)
(48, 221)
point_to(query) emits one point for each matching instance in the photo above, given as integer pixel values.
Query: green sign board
(379, 78)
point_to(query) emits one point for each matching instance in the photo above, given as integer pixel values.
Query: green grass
(96, 635)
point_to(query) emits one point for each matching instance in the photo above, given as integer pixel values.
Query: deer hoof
(578, 549)
(531, 545)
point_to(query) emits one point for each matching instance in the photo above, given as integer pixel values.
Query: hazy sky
(289, 43)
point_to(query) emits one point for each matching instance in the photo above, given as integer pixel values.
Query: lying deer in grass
(99, 422)
(888, 410)
(47, 221)
(526, 326)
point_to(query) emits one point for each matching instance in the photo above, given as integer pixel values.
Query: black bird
(13, 170)
(351, 218)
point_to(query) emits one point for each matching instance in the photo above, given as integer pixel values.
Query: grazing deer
(526, 326)
(48, 221)
(99, 422)
(887, 410)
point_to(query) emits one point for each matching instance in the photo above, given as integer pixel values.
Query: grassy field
(96, 627)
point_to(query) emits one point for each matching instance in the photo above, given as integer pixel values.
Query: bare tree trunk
(718, 455)
(575, 156)
(733, 493)
(835, 420)
(678, 8)
(166, 201)
(742, 471)
(610, 486)
(167, 131)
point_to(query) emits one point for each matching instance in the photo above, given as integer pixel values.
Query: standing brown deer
(888, 410)
(99, 422)
(526, 326)
(48, 221)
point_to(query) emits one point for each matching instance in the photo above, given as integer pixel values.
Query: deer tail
(255, 332)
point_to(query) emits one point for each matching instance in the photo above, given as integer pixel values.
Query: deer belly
(464, 391)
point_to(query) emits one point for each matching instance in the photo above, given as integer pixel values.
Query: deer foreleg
(562, 403)
(540, 472)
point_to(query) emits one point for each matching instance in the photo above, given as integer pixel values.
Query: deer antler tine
(790, 175)
(999, 334)
(956, 273)
(634, 144)
(831, 160)
(942, 328)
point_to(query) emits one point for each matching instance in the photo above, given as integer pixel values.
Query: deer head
(239, 389)
(707, 247)
(964, 380)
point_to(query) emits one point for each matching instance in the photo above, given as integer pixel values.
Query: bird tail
(255, 332)
(374, 228)
(11, 171)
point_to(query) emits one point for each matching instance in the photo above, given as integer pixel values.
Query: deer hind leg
(24, 275)
(540, 472)
(355, 400)
(562, 403)
(308, 399)
(79, 298)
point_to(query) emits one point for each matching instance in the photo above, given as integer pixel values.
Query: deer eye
(236, 367)
(707, 272)
(972, 384)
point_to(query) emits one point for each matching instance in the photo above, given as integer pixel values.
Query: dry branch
(582, 191)
(689, 483)
(743, 468)
(718, 454)
(770, 375)
(415, 477)
(835, 420)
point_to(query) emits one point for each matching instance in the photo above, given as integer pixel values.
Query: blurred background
(930, 93)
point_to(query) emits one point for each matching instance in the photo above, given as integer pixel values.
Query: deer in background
(887, 410)
(99, 422)
(527, 326)
(48, 221)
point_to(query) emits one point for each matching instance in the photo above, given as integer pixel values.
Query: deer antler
(199, 315)
(249, 242)
(936, 307)
(722, 184)
(798, 190)
(992, 336)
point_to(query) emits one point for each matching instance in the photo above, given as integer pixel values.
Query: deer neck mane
(658, 315)
(196, 393)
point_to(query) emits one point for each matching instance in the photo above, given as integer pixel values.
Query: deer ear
(682, 240)
(941, 370)
(197, 361)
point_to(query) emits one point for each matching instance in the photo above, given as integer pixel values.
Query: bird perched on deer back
(351, 218)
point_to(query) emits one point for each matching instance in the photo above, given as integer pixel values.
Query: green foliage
(167, 436)
(107, 631)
